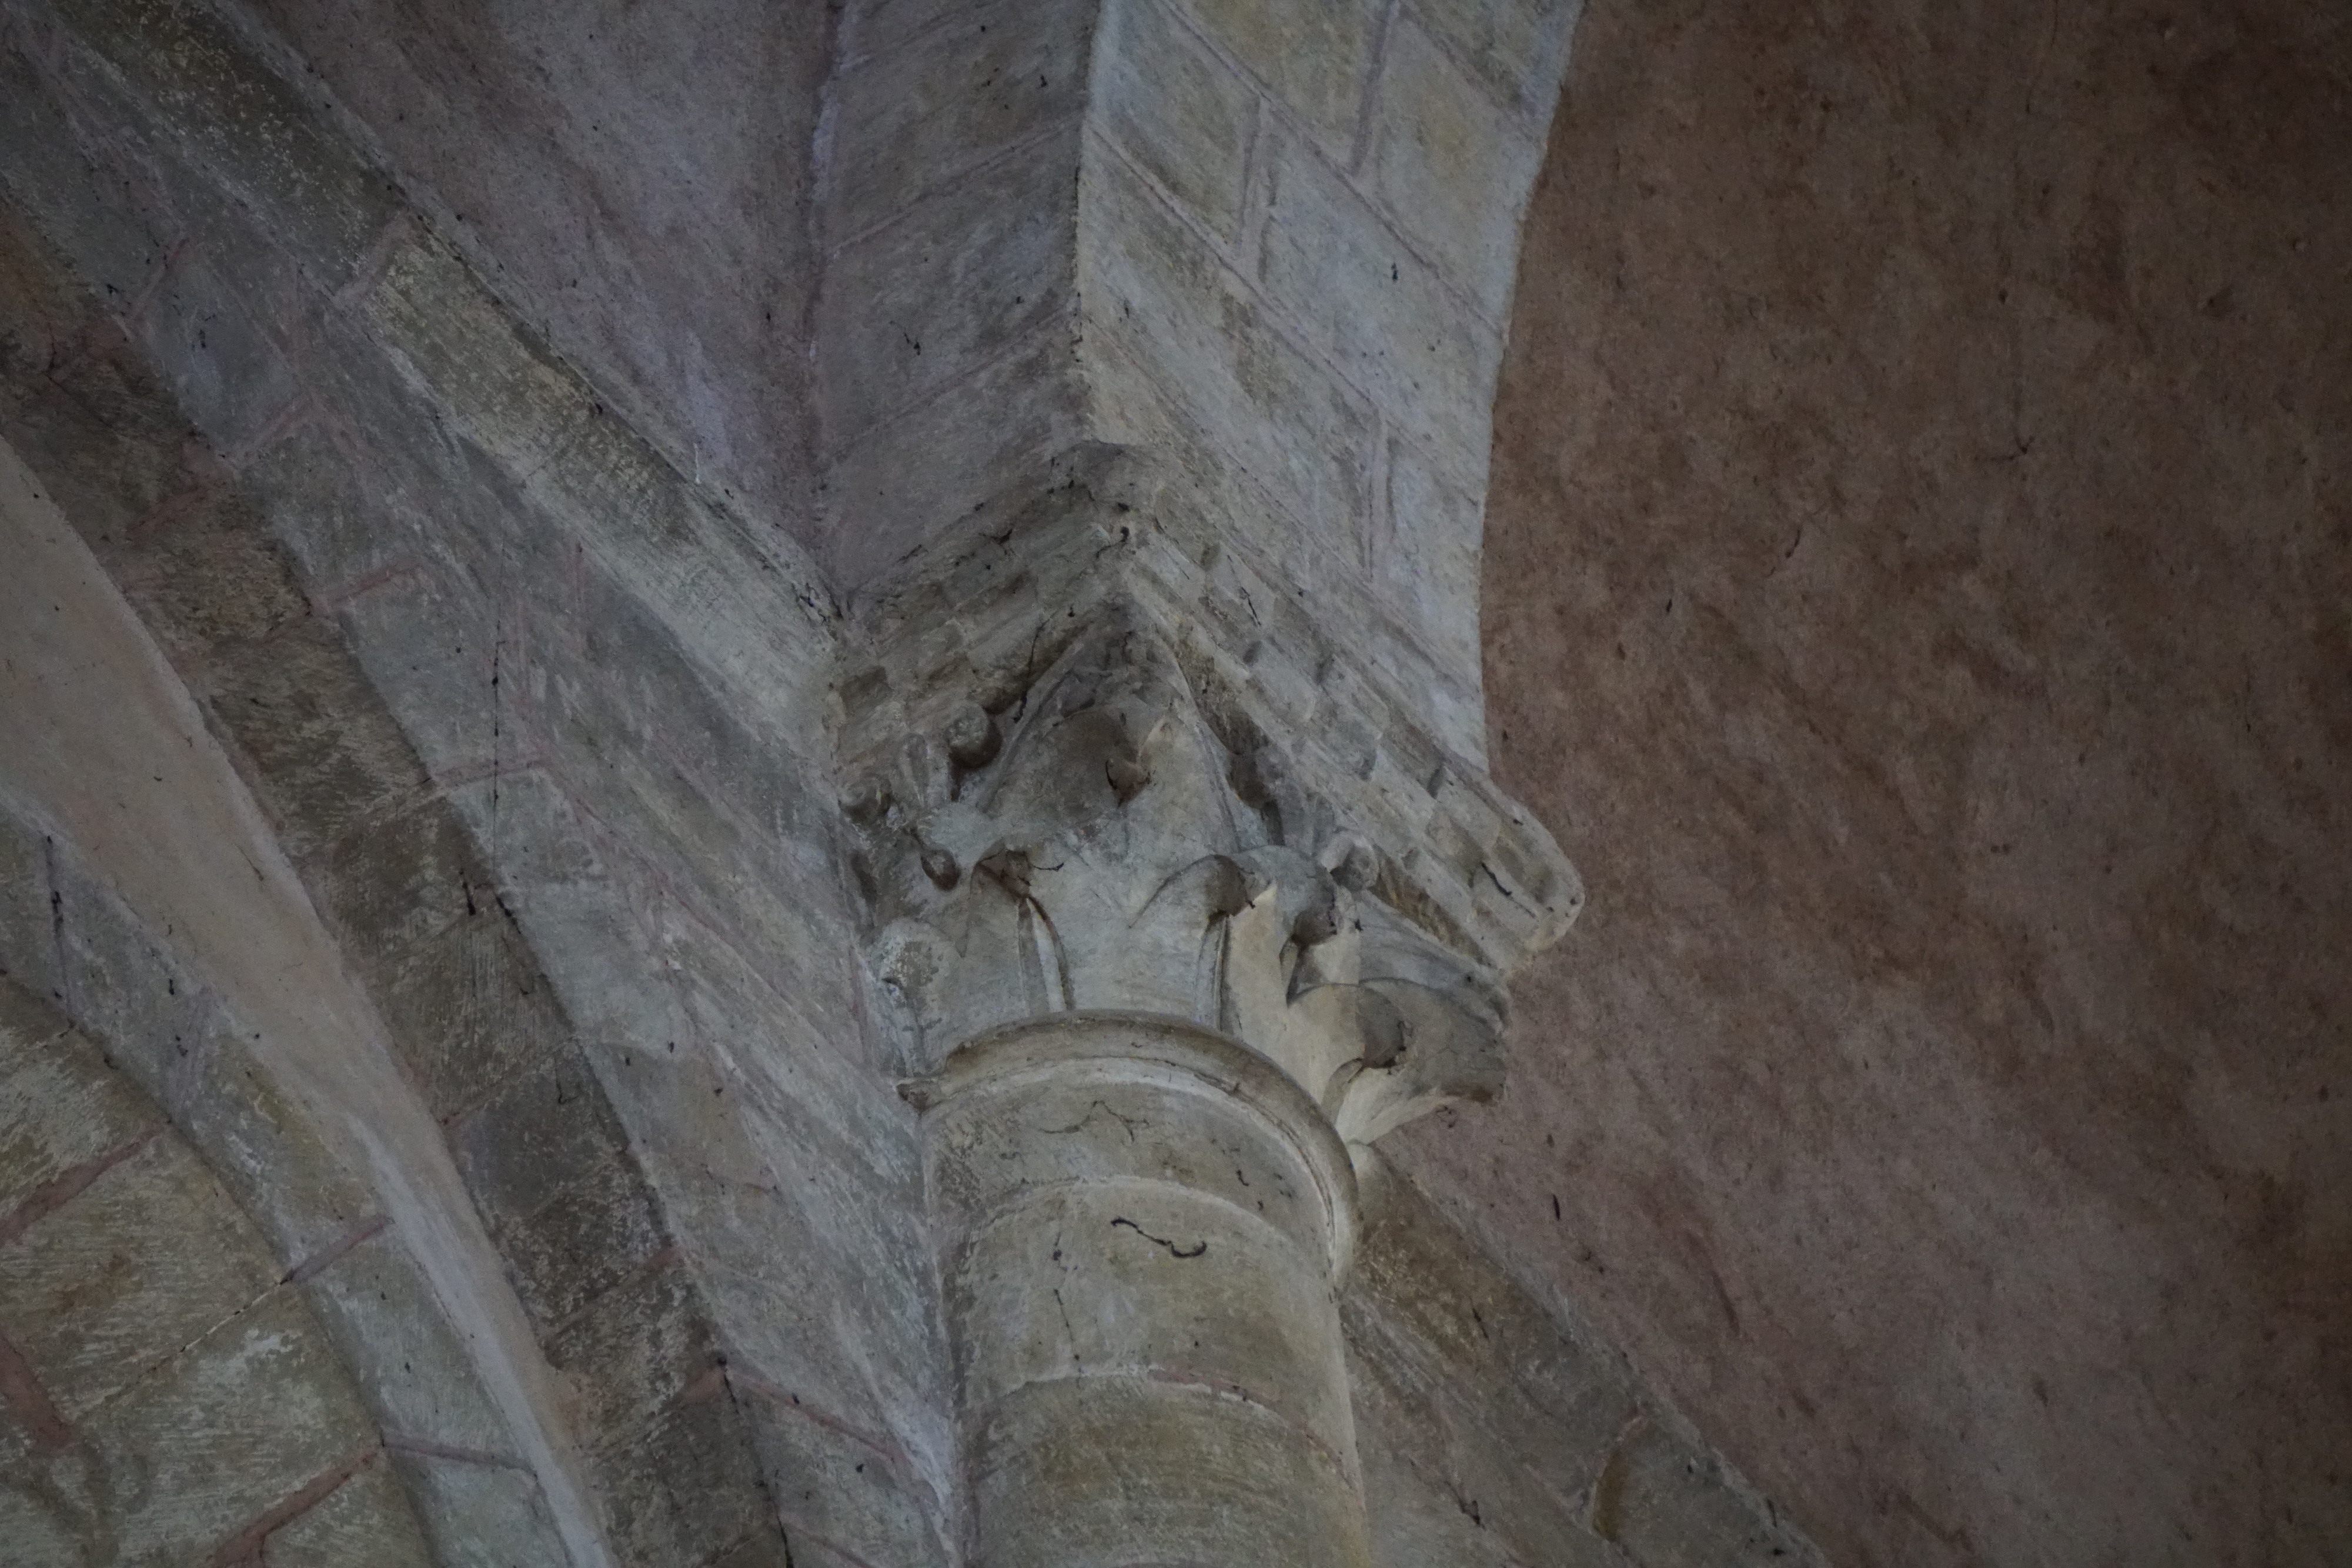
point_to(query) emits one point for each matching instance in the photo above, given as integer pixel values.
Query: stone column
(1151, 977)
(1142, 1223)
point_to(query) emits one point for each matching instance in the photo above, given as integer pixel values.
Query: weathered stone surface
(928, 112)
(1441, 157)
(1184, 326)
(1315, 55)
(933, 294)
(148, 1258)
(62, 1109)
(689, 1492)
(1915, 584)
(1382, 315)
(1516, 48)
(377, 1306)
(679, 141)
(1176, 110)
(838, 1489)
(238, 1422)
(363, 1523)
(480, 1513)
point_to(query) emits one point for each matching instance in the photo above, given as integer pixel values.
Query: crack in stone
(1173, 1250)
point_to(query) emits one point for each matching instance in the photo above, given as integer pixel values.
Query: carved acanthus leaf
(1084, 847)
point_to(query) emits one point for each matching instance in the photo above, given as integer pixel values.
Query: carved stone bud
(1126, 777)
(867, 799)
(1010, 868)
(972, 739)
(941, 868)
(1352, 861)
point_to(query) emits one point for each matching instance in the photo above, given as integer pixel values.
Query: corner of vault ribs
(1160, 978)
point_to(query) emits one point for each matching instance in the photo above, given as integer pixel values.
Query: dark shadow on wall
(1919, 597)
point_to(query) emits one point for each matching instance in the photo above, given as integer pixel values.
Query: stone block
(832, 1485)
(1176, 109)
(961, 276)
(326, 758)
(208, 574)
(1174, 324)
(1314, 54)
(61, 1106)
(147, 1258)
(541, 842)
(1384, 317)
(416, 1375)
(933, 465)
(238, 1423)
(1423, 1511)
(542, 1130)
(29, 959)
(114, 241)
(220, 358)
(366, 1522)
(600, 1226)
(769, 1549)
(1429, 1288)
(505, 391)
(129, 994)
(874, 27)
(458, 988)
(106, 448)
(253, 130)
(1428, 565)
(317, 507)
(1514, 1472)
(450, 668)
(1518, 49)
(911, 117)
(39, 1532)
(1667, 1505)
(1216, 1480)
(265, 1149)
(792, 1338)
(480, 1515)
(686, 1489)
(1451, 167)
(633, 1351)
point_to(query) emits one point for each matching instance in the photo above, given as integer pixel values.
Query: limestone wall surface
(1922, 541)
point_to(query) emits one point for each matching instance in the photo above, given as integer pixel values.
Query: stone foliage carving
(1089, 843)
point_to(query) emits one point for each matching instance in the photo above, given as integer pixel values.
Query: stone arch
(501, 1225)
(171, 1393)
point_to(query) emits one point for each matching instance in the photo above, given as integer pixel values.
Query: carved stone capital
(1099, 818)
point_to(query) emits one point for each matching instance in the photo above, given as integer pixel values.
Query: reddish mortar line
(376, 262)
(426, 1449)
(794, 1530)
(21, 1391)
(63, 1188)
(299, 412)
(328, 599)
(665, 1257)
(137, 306)
(318, 1263)
(889, 1453)
(244, 1546)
